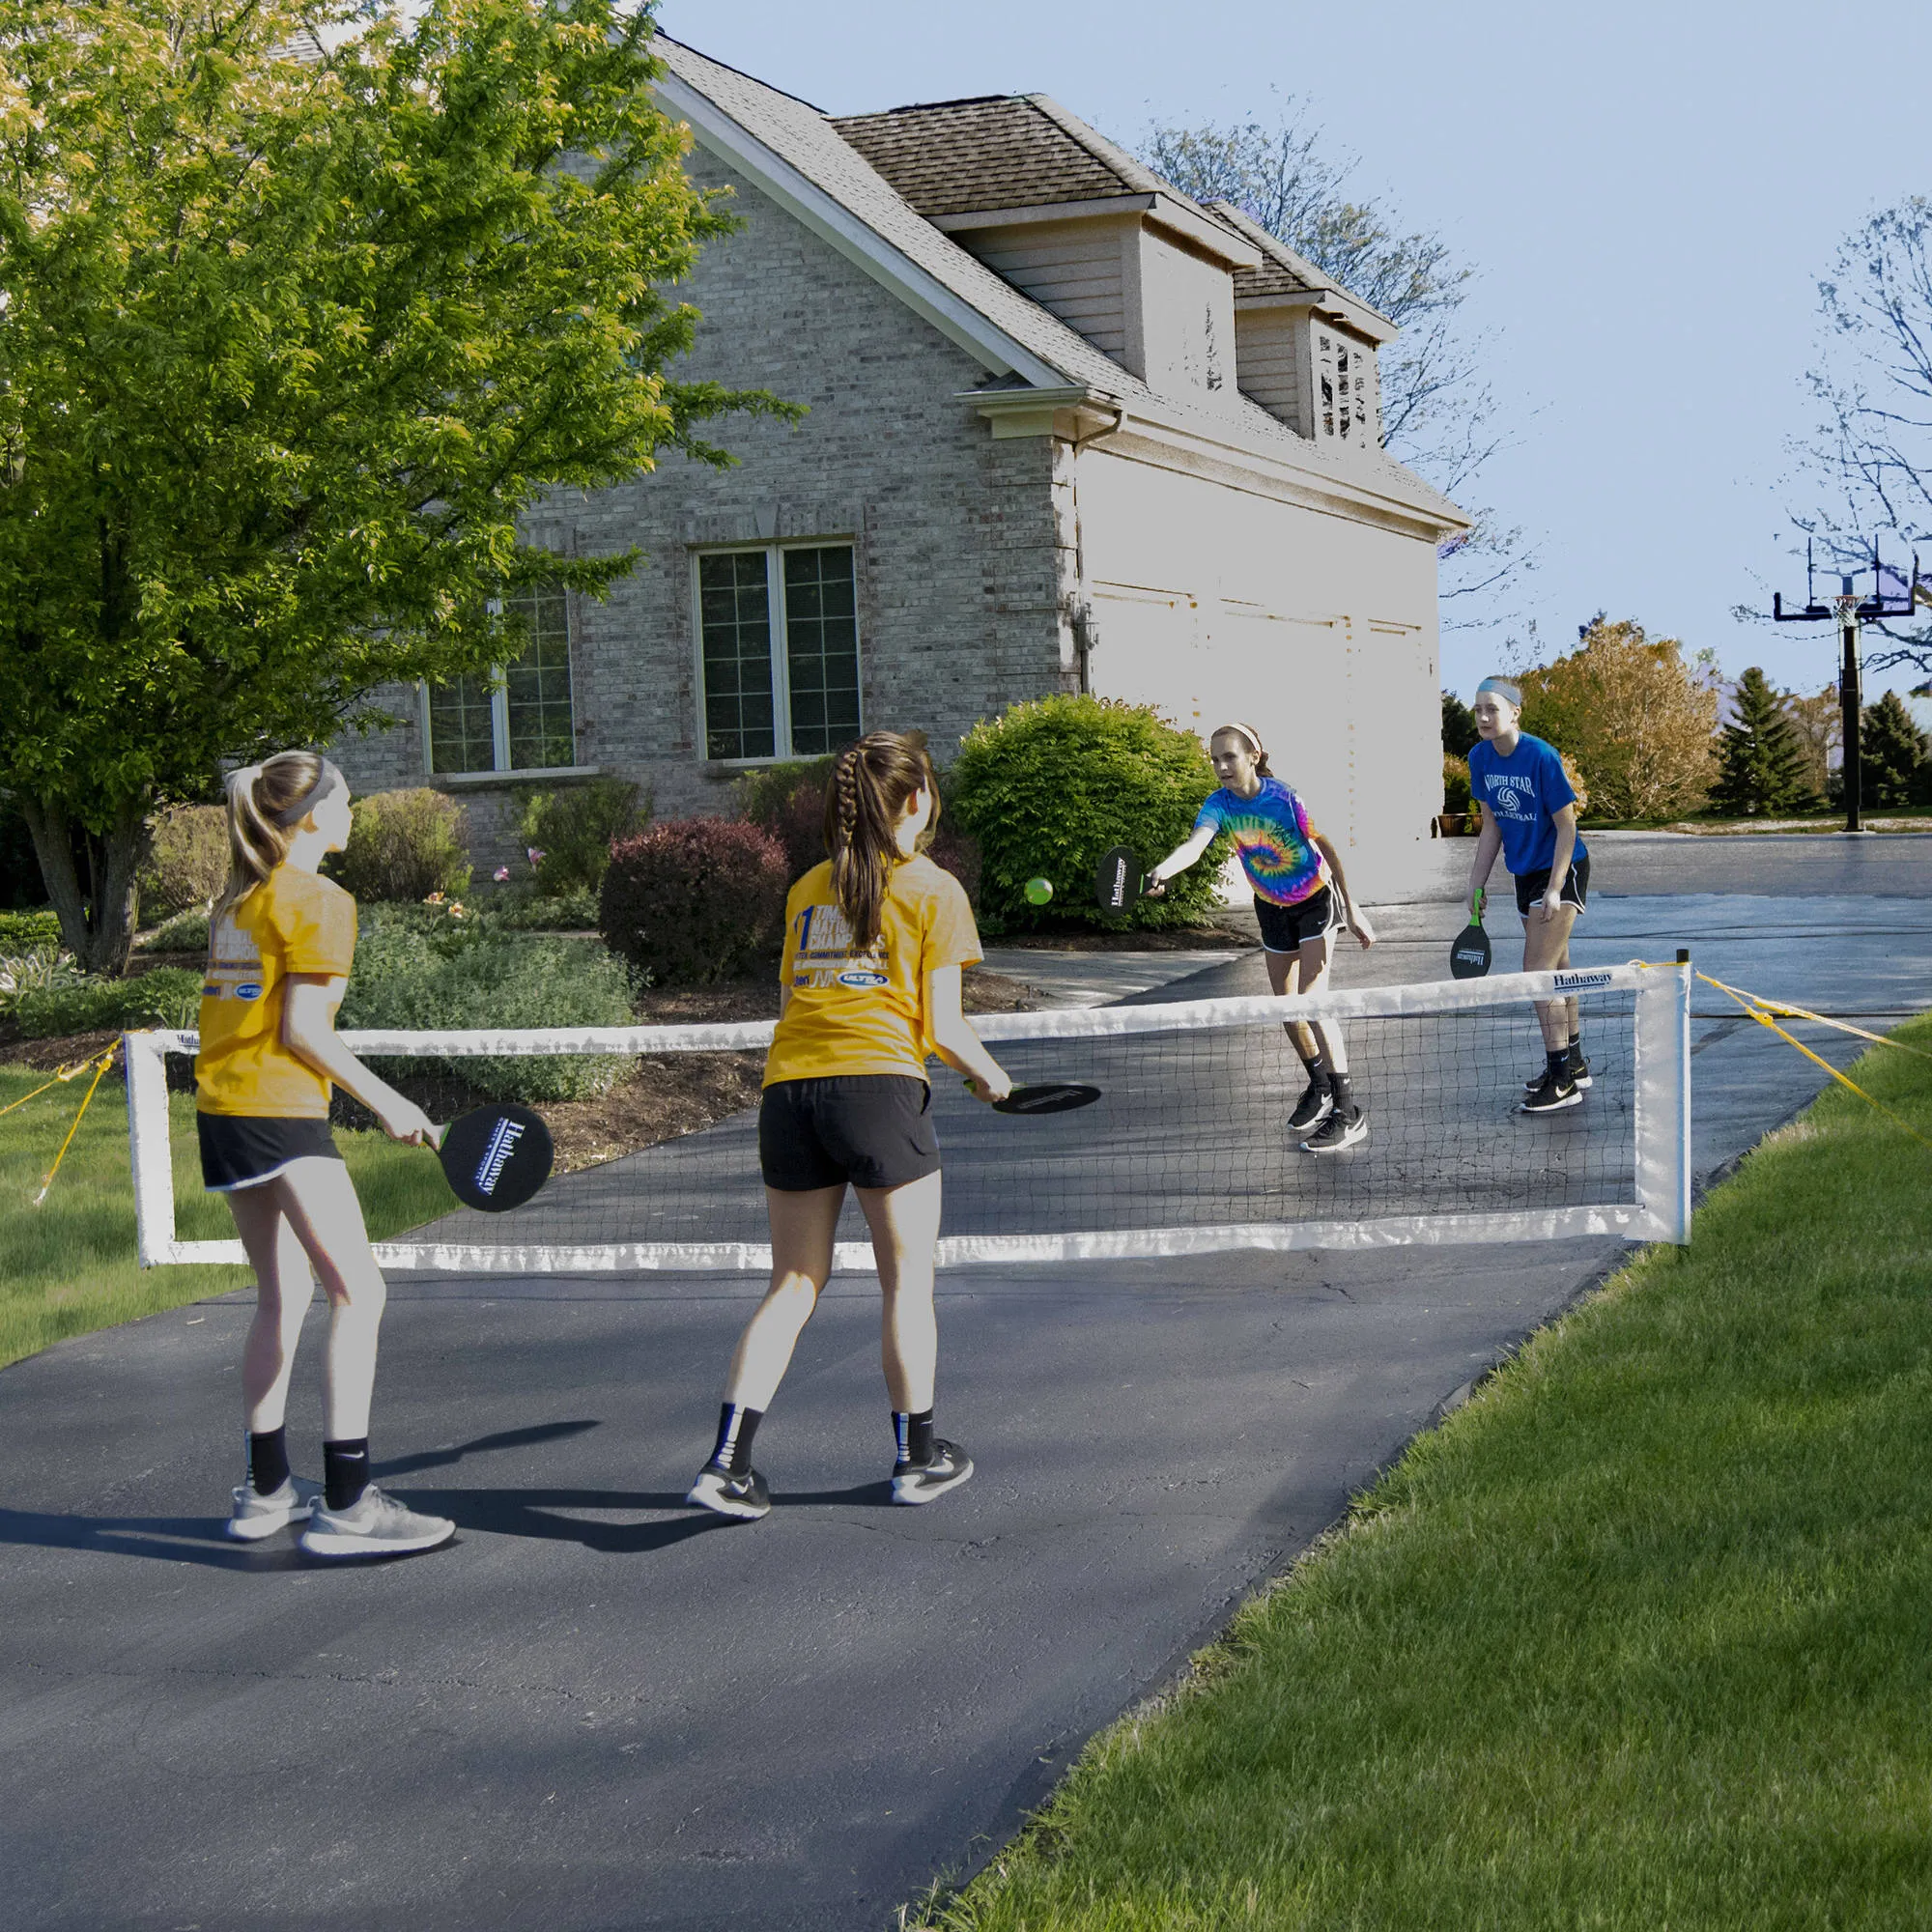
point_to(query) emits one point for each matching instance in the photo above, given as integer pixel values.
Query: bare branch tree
(1870, 456)
(1440, 415)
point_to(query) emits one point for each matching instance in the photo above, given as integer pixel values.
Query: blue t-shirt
(1276, 838)
(1521, 792)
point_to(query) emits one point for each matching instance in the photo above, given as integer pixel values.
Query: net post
(1662, 1100)
(144, 1056)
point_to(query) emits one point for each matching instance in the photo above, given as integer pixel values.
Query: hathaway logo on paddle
(502, 1143)
(1580, 982)
(1472, 955)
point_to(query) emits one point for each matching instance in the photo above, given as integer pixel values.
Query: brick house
(1068, 430)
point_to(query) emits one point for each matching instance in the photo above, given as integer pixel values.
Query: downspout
(1083, 616)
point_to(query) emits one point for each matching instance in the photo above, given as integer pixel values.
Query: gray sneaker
(924, 1482)
(373, 1525)
(257, 1515)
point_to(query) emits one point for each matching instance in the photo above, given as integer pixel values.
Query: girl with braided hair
(281, 943)
(870, 984)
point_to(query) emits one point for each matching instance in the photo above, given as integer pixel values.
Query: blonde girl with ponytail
(281, 943)
(875, 942)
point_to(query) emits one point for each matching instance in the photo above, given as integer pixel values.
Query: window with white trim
(778, 650)
(518, 718)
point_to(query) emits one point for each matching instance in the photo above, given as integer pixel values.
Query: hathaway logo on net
(1580, 982)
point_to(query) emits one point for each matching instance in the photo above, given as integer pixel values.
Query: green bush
(403, 846)
(570, 833)
(429, 971)
(186, 933)
(170, 996)
(187, 867)
(1455, 784)
(572, 911)
(29, 932)
(1049, 787)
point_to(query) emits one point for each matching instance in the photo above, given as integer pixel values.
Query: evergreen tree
(1897, 762)
(1459, 727)
(1762, 765)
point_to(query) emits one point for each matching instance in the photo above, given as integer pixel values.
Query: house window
(779, 628)
(519, 718)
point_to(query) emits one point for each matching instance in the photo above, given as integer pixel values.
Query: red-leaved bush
(694, 899)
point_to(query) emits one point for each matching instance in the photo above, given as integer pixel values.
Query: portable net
(1185, 1152)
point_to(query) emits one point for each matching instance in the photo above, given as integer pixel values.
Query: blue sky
(1650, 193)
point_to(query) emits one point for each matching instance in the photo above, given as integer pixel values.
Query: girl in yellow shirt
(869, 984)
(281, 942)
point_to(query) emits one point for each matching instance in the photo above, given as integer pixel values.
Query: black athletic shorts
(246, 1149)
(1532, 885)
(872, 1129)
(1285, 928)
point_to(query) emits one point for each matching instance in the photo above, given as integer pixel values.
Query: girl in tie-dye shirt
(1301, 898)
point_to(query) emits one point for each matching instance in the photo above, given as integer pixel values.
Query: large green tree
(288, 339)
(1762, 767)
(1895, 761)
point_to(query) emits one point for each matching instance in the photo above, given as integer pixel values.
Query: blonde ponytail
(871, 782)
(266, 804)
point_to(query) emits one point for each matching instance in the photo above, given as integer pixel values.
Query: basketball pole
(1851, 611)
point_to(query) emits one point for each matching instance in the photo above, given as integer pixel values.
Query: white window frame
(500, 767)
(774, 603)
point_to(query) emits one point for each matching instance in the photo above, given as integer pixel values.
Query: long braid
(871, 782)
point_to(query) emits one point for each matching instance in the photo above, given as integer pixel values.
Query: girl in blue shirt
(1301, 901)
(1529, 815)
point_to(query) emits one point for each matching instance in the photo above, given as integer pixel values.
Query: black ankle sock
(1344, 1098)
(1318, 1074)
(1576, 1047)
(1558, 1058)
(344, 1473)
(736, 1426)
(268, 1459)
(913, 1433)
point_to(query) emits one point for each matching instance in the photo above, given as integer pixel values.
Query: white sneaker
(373, 1525)
(257, 1515)
(923, 1482)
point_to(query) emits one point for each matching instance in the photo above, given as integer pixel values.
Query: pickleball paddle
(497, 1157)
(1118, 880)
(1047, 1096)
(1470, 953)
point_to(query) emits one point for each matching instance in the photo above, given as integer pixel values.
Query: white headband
(1502, 688)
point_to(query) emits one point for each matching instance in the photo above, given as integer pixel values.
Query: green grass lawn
(1641, 1637)
(70, 1264)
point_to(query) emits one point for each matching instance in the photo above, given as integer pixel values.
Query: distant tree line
(1637, 722)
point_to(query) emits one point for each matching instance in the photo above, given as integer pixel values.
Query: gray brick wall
(961, 543)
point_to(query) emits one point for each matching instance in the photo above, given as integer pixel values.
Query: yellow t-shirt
(865, 1012)
(292, 922)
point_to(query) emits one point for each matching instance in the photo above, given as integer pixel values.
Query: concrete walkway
(597, 1710)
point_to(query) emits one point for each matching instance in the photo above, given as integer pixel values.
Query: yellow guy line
(1803, 1013)
(1762, 1016)
(101, 1066)
(72, 1072)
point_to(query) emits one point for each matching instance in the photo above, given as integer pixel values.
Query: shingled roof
(997, 151)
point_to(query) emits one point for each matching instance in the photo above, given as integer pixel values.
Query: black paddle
(1118, 880)
(497, 1157)
(1469, 954)
(1046, 1096)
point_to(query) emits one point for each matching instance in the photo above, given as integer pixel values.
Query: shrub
(170, 996)
(425, 973)
(573, 831)
(1052, 785)
(29, 932)
(186, 933)
(1455, 784)
(187, 867)
(572, 911)
(788, 801)
(694, 899)
(403, 846)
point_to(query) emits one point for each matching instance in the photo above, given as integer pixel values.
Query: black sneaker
(745, 1496)
(1338, 1131)
(922, 1481)
(1578, 1071)
(1550, 1096)
(1316, 1104)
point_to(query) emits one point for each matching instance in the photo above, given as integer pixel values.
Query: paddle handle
(1476, 904)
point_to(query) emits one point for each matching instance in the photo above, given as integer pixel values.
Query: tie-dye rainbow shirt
(1275, 838)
